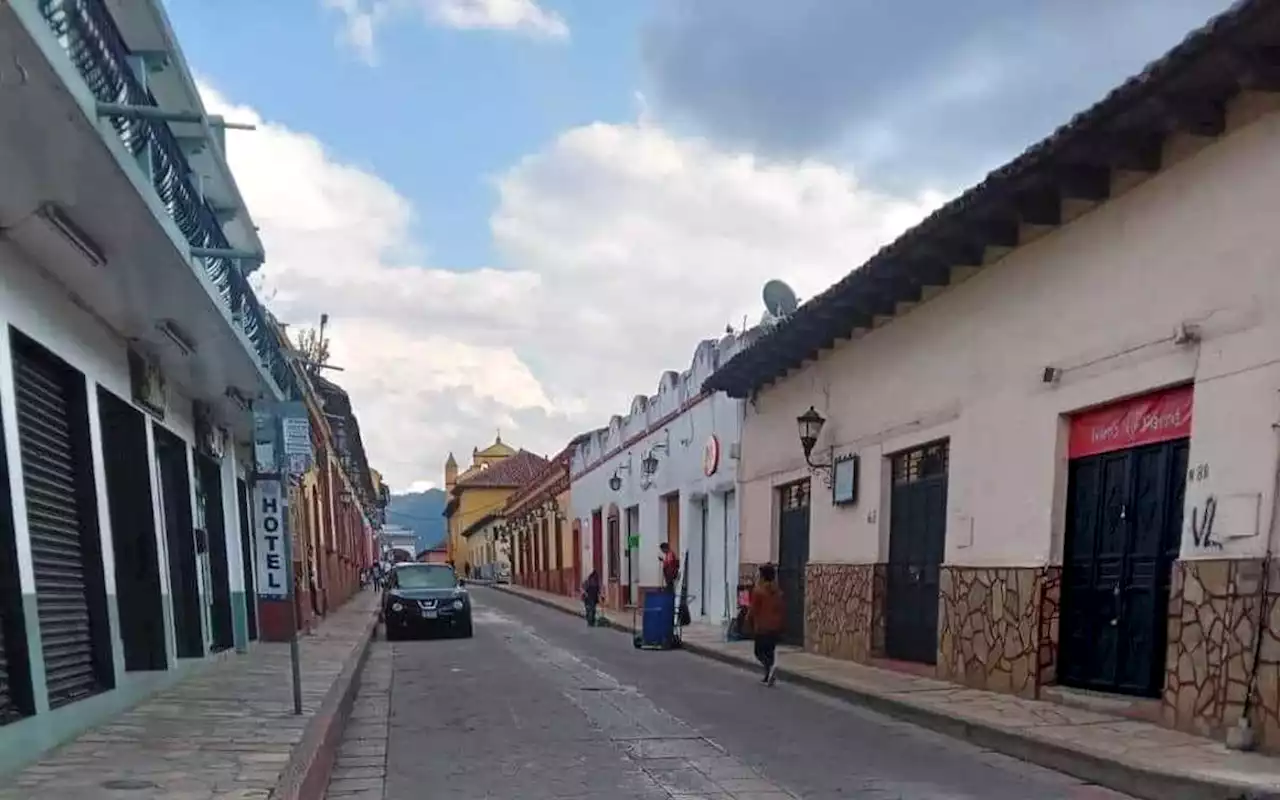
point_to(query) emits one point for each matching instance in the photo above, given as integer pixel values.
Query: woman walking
(766, 619)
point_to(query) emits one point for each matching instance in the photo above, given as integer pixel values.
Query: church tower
(450, 473)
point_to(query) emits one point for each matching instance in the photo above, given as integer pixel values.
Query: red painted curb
(306, 775)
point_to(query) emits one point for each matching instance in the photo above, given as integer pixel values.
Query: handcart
(657, 625)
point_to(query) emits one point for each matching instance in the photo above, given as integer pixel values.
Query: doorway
(62, 522)
(633, 553)
(597, 542)
(703, 565)
(731, 568)
(672, 508)
(215, 529)
(793, 555)
(248, 557)
(578, 577)
(16, 699)
(1124, 531)
(917, 544)
(175, 507)
(131, 509)
(562, 588)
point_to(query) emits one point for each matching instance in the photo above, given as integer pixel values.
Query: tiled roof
(509, 473)
(1185, 90)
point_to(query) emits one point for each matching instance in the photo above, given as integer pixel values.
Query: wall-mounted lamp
(810, 427)
(615, 482)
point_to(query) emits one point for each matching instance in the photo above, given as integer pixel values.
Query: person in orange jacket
(766, 619)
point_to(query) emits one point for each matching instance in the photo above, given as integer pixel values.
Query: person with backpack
(670, 568)
(766, 619)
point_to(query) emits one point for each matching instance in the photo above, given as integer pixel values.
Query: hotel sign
(273, 560)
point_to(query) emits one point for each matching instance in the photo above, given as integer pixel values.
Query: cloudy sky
(518, 213)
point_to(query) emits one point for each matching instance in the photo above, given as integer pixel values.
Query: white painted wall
(1100, 299)
(45, 312)
(678, 417)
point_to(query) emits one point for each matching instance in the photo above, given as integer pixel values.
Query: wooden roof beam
(1084, 182)
(1039, 206)
(1192, 115)
(1257, 68)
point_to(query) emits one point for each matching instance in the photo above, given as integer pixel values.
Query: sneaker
(772, 677)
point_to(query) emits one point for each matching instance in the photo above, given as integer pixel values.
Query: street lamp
(615, 483)
(810, 427)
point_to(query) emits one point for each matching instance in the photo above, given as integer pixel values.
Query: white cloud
(621, 246)
(362, 18)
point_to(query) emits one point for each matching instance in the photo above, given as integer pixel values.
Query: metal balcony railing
(89, 35)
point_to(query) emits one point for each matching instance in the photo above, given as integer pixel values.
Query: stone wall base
(844, 610)
(998, 627)
(1215, 607)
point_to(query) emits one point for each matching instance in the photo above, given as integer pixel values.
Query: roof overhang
(1185, 92)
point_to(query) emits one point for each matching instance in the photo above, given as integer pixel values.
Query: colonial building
(482, 490)
(1051, 412)
(132, 348)
(545, 555)
(488, 548)
(664, 473)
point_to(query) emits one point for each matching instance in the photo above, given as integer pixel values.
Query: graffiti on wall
(1202, 516)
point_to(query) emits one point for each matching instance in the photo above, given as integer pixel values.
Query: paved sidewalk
(226, 733)
(1130, 756)
(360, 772)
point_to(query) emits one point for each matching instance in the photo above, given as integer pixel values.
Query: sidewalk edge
(1110, 773)
(306, 775)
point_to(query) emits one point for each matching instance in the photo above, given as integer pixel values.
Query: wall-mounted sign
(1156, 417)
(269, 513)
(844, 480)
(147, 384)
(711, 456)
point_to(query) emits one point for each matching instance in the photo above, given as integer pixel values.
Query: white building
(130, 346)
(1063, 392)
(400, 539)
(690, 440)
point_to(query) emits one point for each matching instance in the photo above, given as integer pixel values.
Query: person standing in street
(591, 597)
(766, 619)
(670, 568)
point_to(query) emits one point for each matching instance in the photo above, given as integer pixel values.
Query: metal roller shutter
(53, 516)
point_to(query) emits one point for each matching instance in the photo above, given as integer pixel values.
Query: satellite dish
(779, 300)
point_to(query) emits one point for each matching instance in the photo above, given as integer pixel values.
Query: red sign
(1156, 417)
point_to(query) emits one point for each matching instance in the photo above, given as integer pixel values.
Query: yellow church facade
(481, 491)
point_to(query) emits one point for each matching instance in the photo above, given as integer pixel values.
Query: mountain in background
(422, 512)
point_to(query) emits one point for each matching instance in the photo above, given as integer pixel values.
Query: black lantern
(649, 464)
(615, 483)
(810, 424)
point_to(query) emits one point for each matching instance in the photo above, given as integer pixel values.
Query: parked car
(424, 599)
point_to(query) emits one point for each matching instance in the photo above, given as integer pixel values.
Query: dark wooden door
(793, 555)
(597, 544)
(175, 500)
(133, 534)
(223, 630)
(917, 544)
(1124, 530)
(578, 577)
(248, 557)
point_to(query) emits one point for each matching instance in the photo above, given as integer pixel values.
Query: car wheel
(466, 631)
(392, 634)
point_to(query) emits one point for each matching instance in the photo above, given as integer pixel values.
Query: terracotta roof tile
(510, 472)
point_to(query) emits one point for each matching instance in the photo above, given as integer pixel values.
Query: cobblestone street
(539, 707)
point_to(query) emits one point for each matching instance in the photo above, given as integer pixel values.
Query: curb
(1130, 779)
(306, 775)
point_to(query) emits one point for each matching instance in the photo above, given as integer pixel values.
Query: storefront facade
(1062, 393)
(666, 472)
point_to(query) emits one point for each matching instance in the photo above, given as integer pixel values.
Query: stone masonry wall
(998, 627)
(843, 610)
(1214, 611)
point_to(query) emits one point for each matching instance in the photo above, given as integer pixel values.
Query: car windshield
(425, 578)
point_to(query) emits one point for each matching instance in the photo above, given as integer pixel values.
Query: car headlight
(457, 605)
(397, 607)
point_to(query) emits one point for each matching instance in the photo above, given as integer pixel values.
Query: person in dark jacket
(766, 620)
(591, 596)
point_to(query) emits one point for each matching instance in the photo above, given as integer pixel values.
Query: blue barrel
(658, 627)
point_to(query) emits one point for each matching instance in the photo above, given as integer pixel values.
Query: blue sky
(505, 236)
(440, 112)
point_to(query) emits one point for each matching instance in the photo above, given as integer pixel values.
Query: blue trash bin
(658, 626)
